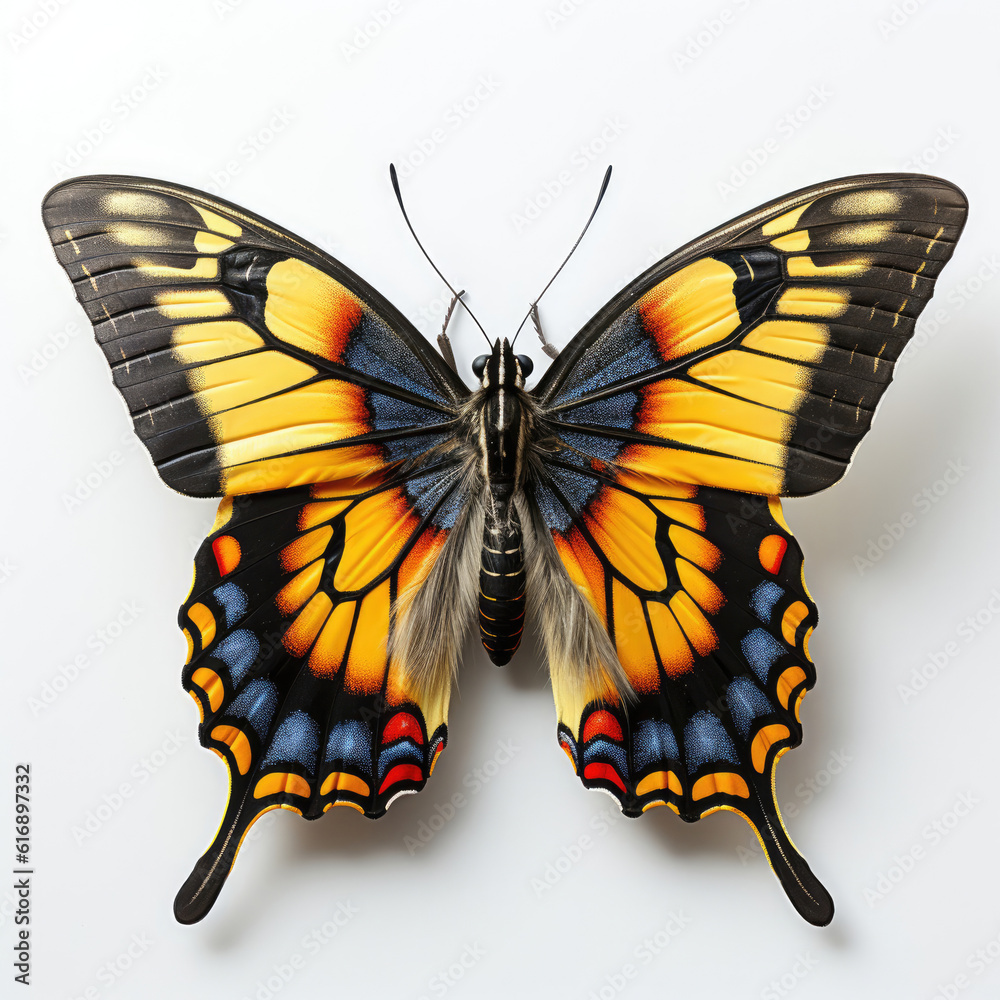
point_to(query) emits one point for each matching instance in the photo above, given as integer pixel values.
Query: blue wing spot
(256, 703)
(238, 651)
(575, 488)
(389, 413)
(762, 651)
(296, 739)
(706, 741)
(746, 702)
(604, 448)
(622, 352)
(654, 742)
(763, 599)
(598, 749)
(404, 750)
(612, 411)
(351, 742)
(554, 514)
(233, 600)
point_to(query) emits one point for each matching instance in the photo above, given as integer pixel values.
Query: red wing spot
(603, 772)
(601, 723)
(771, 552)
(227, 553)
(403, 724)
(401, 772)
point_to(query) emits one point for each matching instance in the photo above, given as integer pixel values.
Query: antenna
(457, 295)
(533, 308)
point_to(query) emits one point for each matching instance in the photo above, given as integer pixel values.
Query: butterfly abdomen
(501, 577)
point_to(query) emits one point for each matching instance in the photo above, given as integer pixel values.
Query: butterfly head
(503, 369)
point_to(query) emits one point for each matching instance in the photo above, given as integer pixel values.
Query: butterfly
(374, 506)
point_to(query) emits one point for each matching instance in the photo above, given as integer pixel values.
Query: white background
(310, 118)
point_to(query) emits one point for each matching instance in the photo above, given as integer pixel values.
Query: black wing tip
(199, 892)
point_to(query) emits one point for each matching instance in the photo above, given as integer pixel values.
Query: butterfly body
(629, 503)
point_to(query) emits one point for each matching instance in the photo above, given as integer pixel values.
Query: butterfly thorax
(503, 422)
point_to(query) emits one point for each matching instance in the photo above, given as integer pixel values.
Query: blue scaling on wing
(706, 741)
(351, 742)
(374, 349)
(405, 749)
(612, 411)
(598, 749)
(622, 352)
(746, 702)
(233, 600)
(389, 413)
(409, 446)
(604, 448)
(763, 599)
(296, 739)
(256, 703)
(553, 512)
(762, 651)
(576, 488)
(653, 742)
(427, 490)
(238, 651)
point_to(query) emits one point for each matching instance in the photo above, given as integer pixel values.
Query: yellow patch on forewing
(193, 343)
(811, 300)
(705, 470)
(862, 233)
(347, 465)
(134, 203)
(783, 223)
(792, 241)
(192, 303)
(693, 415)
(788, 338)
(137, 234)
(203, 269)
(692, 309)
(770, 381)
(805, 267)
(309, 309)
(870, 202)
(308, 417)
(237, 381)
(211, 243)
(217, 223)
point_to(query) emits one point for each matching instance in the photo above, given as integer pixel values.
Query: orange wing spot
(205, 621)
(787, 683)
(798, 703)
(805, 641)
(569, 753)
(366, 661)
(675, 653)
(344, 781)
(376, 531)
(318, 513)
(306, 548)
(226, 550)
(771, 552)
(328, 652)
(791, 620)
(720, 783)
(657, 781)
(190, 646)
(309, 309)
(635, 648)
(700, 587)
(420, 560)
(300, 588)
(401, 772)
(696, 627)
(584, 569)
(303, 631)
(603, 772)
(695, 548)
(690, 514)
(601, 723)
(623, 527)
(763, 742)
(282, 782)
(238, 743)
(344, 802)
(434, 759)
(691, 309)
(211, 683)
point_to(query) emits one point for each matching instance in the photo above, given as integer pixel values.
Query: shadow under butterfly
(374, 506)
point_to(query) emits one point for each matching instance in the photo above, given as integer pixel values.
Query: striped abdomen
(501, 580)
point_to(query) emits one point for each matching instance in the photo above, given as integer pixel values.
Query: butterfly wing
(744, 367)
(258, 368)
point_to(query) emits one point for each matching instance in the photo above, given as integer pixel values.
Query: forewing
(754, 358)
(297, 599)
(249, 359)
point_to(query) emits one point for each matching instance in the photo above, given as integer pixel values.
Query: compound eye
(527, 365)
(479, 365)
